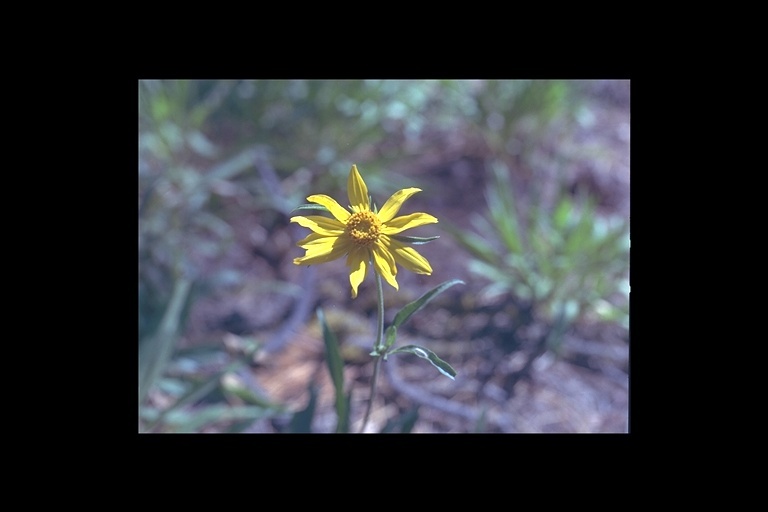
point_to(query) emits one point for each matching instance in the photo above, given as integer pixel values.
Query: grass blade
(195, 420)
(301, 422)
(157, 350)
(404, 423)
(336, 369)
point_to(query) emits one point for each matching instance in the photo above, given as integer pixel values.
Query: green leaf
(391, 334)
(336, 369)
(502, 208)
(236, 387)
(492, 272)
(195, 420)
(390, 337)
(311, 206)
(414, 240)
(562, 213)
(403, 423)
(409, 420)
(580, 235)
(343, 426)
(155, 352)
(405, 313)
(301, 422)
(205, 387)
(481, 423)
(430, 356)
(197, 392)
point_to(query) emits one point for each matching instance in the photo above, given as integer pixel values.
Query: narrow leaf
(414, 240)
(409, 420)
(482, 422)
(580, 234)
(562, 213)
(405, 313)
(197, 392)
(430, 356)
(391, 334)
(311, 206)
(155, 352)
(196, 420)
(343, 426)
(301, 422)
(403, 423)
(502, 208)
(336, 369)
(237, 388)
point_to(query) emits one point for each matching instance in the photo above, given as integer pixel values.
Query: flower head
(363, 235)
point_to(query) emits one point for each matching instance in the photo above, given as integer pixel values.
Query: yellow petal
(320, 225)
(408, 257)
(384, 264)
(413, 220)
(332, 249)
(357, 191)
(323, 240)
(324, 245)
(393, 204)
(357, 262)
(311, 238)
(335, 208)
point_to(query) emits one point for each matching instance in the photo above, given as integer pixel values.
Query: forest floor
(500, 387)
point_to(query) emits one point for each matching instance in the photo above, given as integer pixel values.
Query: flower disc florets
(363, 228)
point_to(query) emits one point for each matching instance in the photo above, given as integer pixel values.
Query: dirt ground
(500, 387)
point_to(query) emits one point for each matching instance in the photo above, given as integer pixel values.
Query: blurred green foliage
(181, 175)
(336, 369)
(205, 388)
(566, 262)
(175, 218)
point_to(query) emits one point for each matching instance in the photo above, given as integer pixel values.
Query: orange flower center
(363, 228)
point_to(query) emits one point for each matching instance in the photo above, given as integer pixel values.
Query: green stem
(380, 324)
(376, 365)
(376, 348)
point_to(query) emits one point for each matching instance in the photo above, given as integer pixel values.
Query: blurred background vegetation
(530, 182)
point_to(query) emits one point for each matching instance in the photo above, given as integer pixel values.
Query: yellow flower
(363, 235)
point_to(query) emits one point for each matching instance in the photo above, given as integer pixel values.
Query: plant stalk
(376, 348)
